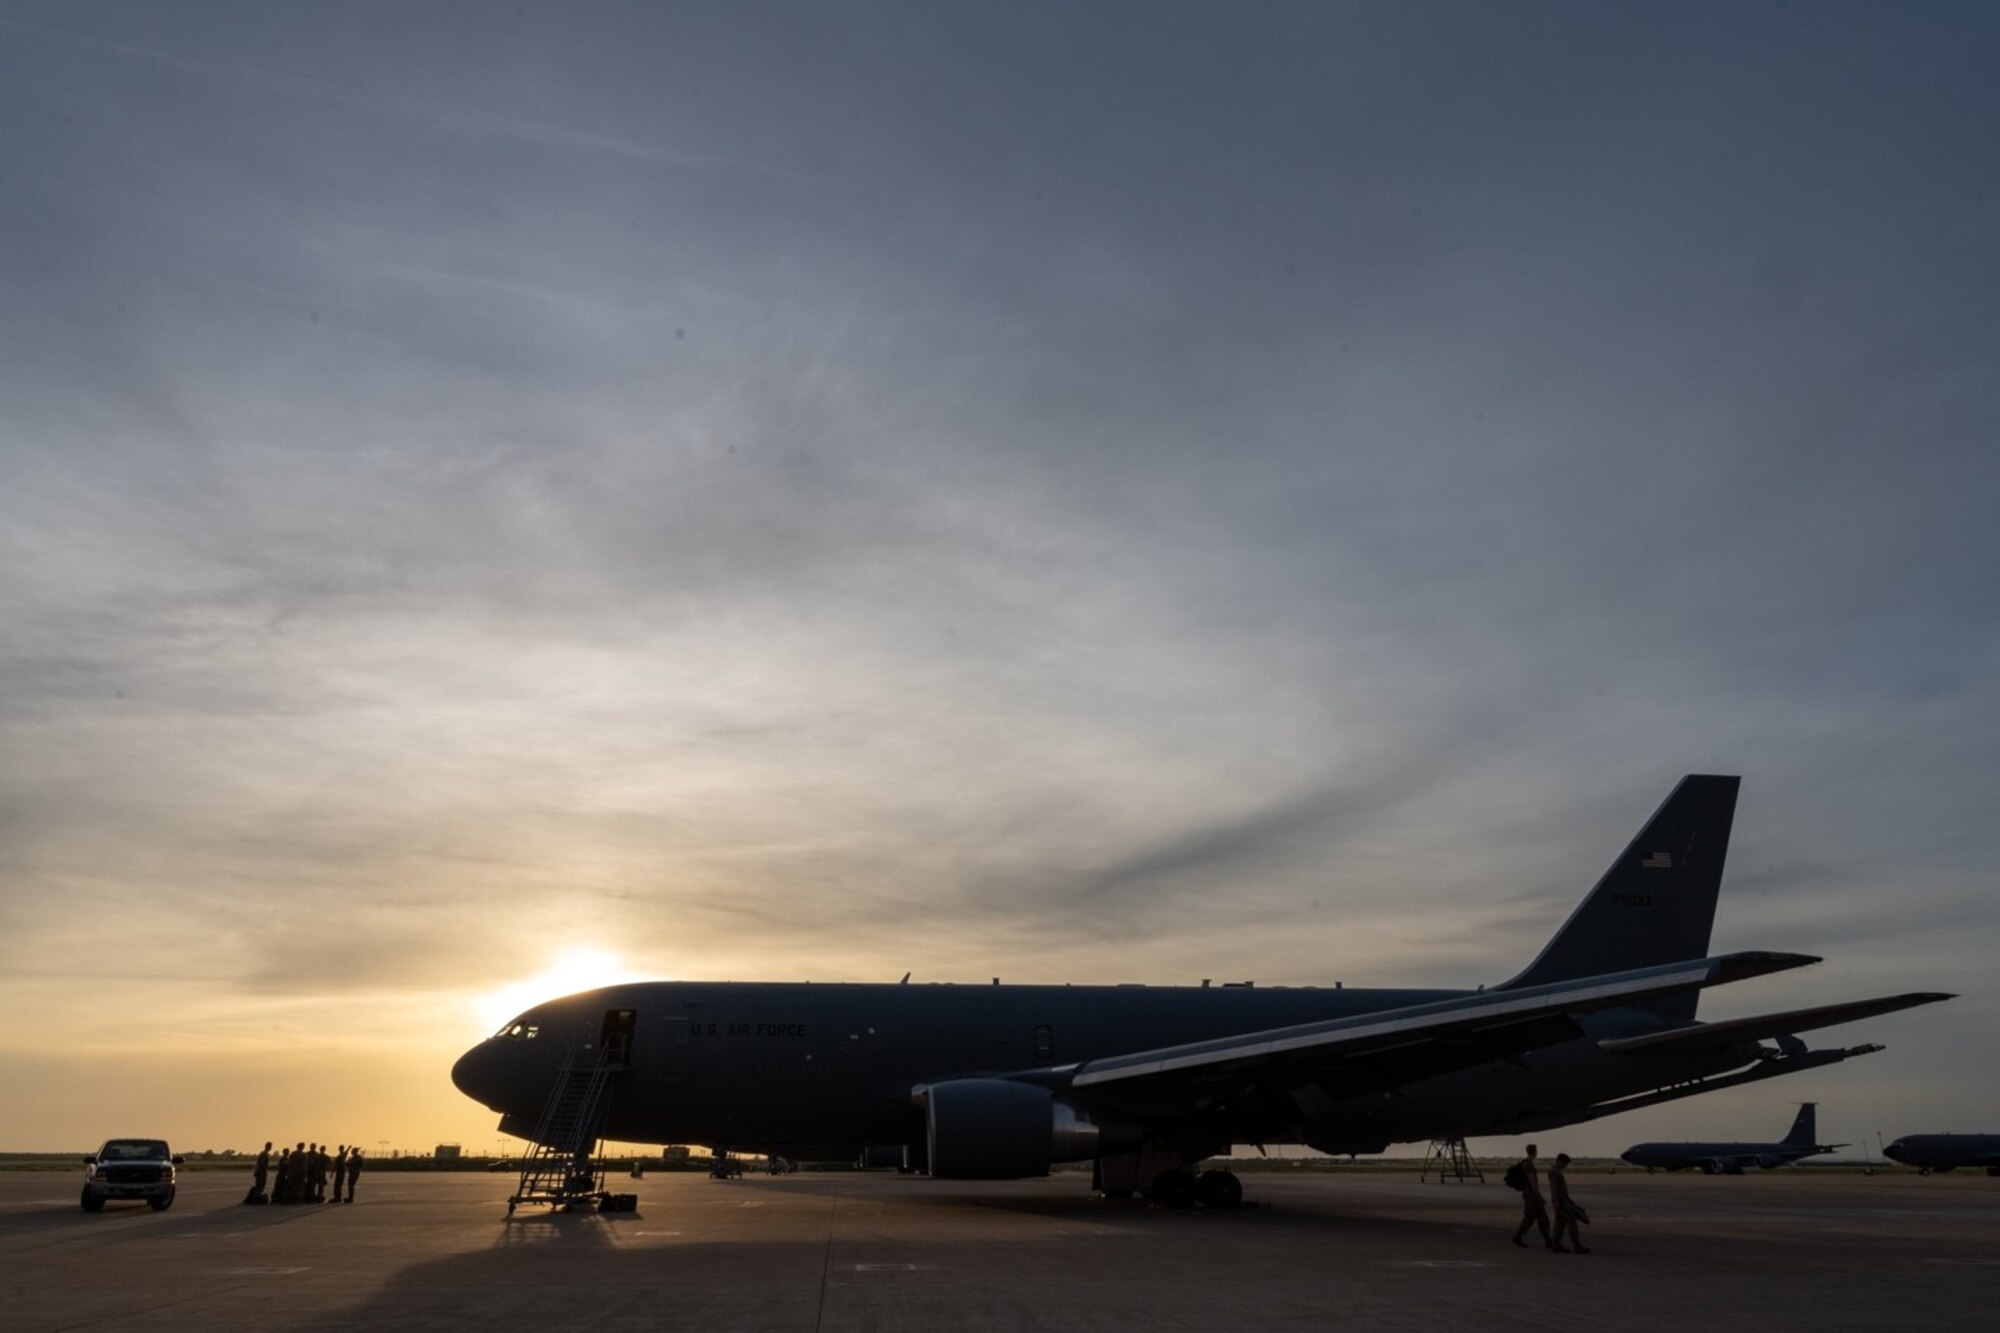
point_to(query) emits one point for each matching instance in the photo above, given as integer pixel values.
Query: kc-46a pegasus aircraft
(999, 1082)
(1946, 1152)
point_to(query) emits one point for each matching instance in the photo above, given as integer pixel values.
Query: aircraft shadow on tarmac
(1081, 1211)
(945, 1264)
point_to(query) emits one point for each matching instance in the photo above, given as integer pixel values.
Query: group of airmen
(301, 1175)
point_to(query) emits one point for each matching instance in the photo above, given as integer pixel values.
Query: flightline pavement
(1766, 1251)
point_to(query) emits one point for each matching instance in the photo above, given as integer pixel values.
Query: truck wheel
(159, 1203)
(93, 1202)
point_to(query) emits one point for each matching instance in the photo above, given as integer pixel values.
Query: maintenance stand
(1451, 1159)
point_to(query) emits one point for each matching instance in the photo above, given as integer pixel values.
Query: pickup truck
(130, 1169)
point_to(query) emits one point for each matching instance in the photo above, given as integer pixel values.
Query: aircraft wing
(1703, 1036)
(1394, 1046)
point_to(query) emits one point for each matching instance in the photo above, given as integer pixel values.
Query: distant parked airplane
(998, 1082)
(1732, 1158)
(1942, 1152)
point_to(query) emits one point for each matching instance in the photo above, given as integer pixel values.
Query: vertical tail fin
(1805, 1133)
(1656, 903)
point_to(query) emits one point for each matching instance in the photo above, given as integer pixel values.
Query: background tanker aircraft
(1946, 1152)
(996, 1082)
(1734, 1158)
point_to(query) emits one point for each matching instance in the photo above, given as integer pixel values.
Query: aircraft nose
(478, 1075)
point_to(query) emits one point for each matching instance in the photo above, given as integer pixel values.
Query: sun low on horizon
(572, 970)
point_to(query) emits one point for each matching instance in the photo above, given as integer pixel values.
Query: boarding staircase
(563, 1168)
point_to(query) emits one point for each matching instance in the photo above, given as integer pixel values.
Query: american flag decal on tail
(1659, 861)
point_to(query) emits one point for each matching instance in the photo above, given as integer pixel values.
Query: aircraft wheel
(93, 1202)
(1219, 1189)
(1116, 1194)
(1174, 1189)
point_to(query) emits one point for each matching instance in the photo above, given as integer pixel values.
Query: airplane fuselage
(750, 1065)
(1730, 1157)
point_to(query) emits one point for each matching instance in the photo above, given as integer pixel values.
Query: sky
(1103, 492)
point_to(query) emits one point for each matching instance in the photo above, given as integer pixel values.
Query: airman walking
(1526, 1177)
(1568, 1211)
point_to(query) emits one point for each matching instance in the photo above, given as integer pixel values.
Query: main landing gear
(1214, 1190)
(1162, 1172)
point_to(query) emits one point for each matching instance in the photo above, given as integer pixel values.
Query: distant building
(447, 1152)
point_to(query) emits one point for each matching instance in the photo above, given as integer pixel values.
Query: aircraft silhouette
(1145, 1082)
(1733, 1158)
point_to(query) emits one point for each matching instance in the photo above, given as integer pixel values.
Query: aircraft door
(615, 1037)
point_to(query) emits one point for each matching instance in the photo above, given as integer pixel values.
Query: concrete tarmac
(1779, 1250)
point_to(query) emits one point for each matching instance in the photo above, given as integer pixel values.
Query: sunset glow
(572, 970)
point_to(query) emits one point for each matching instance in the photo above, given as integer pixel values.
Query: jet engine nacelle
(997, 1129)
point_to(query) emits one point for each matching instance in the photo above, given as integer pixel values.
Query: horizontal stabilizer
(1759, 1026)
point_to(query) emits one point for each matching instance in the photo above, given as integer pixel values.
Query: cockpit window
(518, 1031)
